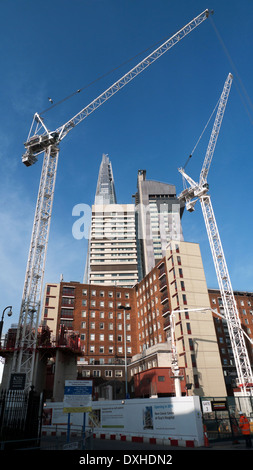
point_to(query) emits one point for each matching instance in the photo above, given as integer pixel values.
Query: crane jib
(33, 150)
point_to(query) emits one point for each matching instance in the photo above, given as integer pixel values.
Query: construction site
(143, 329)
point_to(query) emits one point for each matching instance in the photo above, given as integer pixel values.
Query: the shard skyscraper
(112, 252)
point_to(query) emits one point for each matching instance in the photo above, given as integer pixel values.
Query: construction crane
(42, 140)
(198, 191)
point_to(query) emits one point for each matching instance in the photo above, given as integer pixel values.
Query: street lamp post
(124, 308)
(2, 320)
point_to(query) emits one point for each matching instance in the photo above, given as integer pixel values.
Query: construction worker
(245, 428)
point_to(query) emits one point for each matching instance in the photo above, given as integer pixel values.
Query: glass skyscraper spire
(105, 192)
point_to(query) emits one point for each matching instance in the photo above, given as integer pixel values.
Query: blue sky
(51, 48)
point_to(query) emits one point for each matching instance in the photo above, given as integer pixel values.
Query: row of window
(101, 326)
(70, 291)
(241, 302)
(102, 337)
(110, 315)
(98, 373)
(102, 293)
(101, 303)
(110, 350)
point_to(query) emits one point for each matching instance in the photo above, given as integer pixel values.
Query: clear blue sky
(51, 48)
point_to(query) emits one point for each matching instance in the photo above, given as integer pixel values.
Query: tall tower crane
(198, 191)
(42, 140)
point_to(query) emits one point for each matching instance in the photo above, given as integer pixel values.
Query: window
(188, 327)
(65, 301)
(191, 345)
(161, 378)
(96, 373)
(193, 359)
(68, 291)
(184, 299)
(66, 313)
(108, 373)
(118, 373)
(86, 373)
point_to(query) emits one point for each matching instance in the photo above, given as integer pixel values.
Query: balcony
(163, 284)
(164, 297)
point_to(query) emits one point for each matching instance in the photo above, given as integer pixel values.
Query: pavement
(97, 444)
(228, 445)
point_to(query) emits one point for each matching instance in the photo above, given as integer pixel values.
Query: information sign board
(77, 396)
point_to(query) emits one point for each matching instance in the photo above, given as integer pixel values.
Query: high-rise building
(112, 251)
(105, 192)
(158, 220)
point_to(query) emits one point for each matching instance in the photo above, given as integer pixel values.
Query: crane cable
(102, 76)
(244, 92)
(201, 135)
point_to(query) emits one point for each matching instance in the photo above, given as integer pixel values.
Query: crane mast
(199, 191)
(41, 140)
(241, 357)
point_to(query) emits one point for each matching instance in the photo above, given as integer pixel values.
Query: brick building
(177, 283)
(244, 301)
(93, 311)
